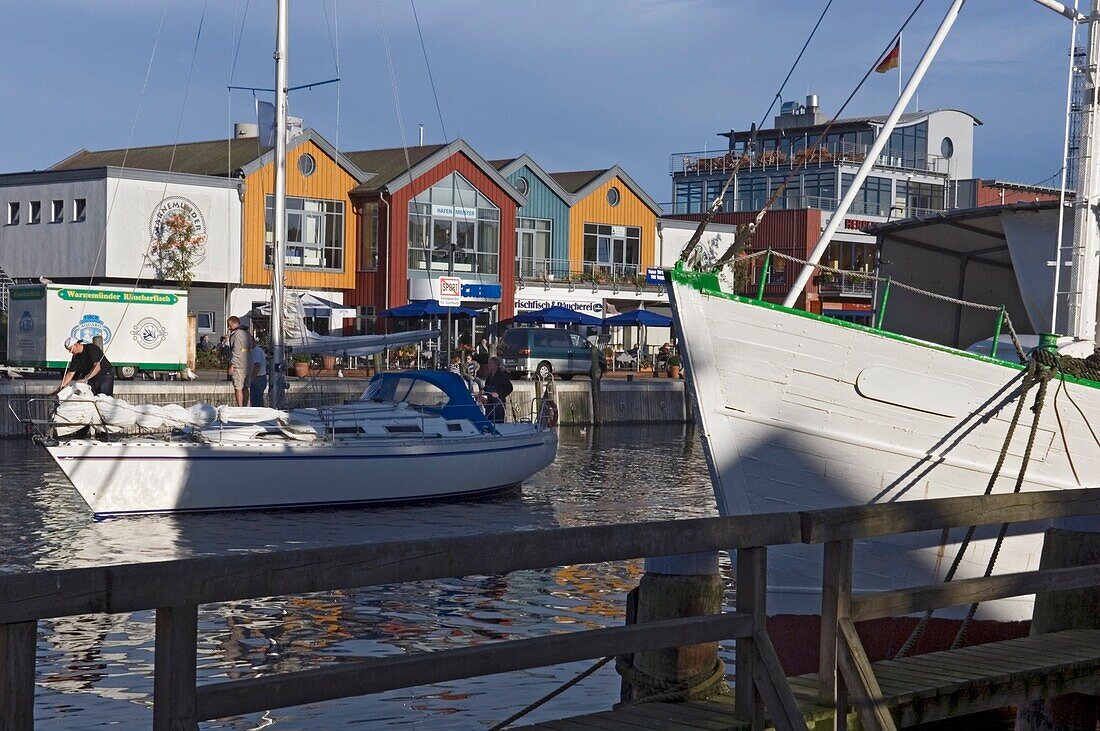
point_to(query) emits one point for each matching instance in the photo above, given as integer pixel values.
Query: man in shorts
(240, 359)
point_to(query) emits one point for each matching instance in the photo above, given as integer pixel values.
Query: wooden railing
(175, 589)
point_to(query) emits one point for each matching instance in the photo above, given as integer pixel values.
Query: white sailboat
(800, 411)
(411, 436)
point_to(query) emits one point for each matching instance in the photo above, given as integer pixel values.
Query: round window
(947, 148)
(306, 165)
(613, 196)
(522, 186)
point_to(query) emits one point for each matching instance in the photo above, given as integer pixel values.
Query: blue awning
(426, 308)
(557, 315)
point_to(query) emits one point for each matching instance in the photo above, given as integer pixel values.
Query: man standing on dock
(240, 360)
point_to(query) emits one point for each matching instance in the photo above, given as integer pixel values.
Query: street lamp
(450, 247)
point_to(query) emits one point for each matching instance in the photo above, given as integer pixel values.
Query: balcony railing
(845, 284)
(593, 274)
(793, 202)
(826, 155)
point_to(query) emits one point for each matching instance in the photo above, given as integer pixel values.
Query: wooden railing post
(175, 657)
(17, 650)
(836, 603)
(752, 588)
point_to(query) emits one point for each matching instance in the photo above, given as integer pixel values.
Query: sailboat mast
(278, 348)
(1084, 273)
(872, 154)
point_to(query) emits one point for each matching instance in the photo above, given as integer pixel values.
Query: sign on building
(654, 275)
(450, 291)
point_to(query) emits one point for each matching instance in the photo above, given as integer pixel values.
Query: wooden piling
(17, 656)
(675, 587)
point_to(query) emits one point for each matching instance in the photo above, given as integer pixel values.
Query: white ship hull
(800, 412)
(151, 476)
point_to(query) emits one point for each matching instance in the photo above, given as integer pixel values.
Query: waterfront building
(542, 223)
(421, 207)
(919, 172)
(92, 218)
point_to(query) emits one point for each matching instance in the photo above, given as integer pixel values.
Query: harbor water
(96, 671)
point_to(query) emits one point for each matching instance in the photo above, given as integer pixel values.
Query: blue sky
(575, 83)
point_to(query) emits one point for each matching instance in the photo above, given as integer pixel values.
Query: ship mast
(278, 348)
(1084, 273)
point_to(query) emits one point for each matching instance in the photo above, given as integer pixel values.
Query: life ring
(548, 414)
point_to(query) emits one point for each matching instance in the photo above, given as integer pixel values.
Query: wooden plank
(966, 591)
(751, 599)
(772, 682)
(133, 587)
(641, 716)
(374, 676)
(693, 716)
(18, 643)
(863, 521)
(836, 599)
(860, 680)
(665, 716)
(174, 659)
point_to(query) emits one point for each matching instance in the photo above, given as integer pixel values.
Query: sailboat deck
(916, 689)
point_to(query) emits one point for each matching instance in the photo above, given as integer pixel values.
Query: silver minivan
(546, 352)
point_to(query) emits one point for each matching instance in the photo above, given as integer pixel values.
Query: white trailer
(141, 329)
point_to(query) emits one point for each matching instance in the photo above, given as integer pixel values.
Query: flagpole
(899, 62)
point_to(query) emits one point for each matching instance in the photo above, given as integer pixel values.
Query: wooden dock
(882, 695)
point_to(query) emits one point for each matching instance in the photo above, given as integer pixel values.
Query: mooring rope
(1042, 367)
(656, 690)
(551, 695)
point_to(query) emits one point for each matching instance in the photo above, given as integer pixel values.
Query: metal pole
(764, 275)
(882, 305)
(997, 334)
(873, 153)
(278, 348)
(450, 273)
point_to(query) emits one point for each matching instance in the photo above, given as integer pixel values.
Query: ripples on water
(97, 670)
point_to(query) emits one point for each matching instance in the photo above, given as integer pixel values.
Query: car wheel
(126, 373)
(544, 371)
(567, 378)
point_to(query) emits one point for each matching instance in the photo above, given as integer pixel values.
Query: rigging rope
(1042, 367)
(424, 50)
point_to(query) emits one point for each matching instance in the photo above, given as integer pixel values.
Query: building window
(314, 233)
(612, 250)
(306, 165)
(13, 213)
(57, 211)
(454, 217)
(35, 213)
(947, 147)
(613, 196)
(80, 209)
(533, 253)
(820, 189)
(752, 193)
(689, 197)
(204, 322)
(875, 197)
(522, 185)
(908, 147)
(365, 321)
(368, 254)
(919, 197)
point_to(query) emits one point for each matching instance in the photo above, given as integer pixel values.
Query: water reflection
(96, 670)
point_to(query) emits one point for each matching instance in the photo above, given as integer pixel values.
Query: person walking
(257, 377)
(88, 365)
(498, 386)
(240, 349)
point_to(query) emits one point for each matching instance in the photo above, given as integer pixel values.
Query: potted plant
(673, 366)
(301, 364)
(328, 362)
(646, 365)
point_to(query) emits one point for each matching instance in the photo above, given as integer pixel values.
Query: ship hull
(801, 412)
(150, 476)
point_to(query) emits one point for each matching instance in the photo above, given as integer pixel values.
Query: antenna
(421, 135)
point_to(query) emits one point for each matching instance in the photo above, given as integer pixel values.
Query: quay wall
(644, 401)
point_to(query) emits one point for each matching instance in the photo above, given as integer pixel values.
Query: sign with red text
(450, 291)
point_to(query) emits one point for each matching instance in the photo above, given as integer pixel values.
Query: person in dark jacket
(498, 386)
(89, 365)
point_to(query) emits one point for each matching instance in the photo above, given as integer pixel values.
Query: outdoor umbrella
(558, 316)
(639, 317)
(426, 308)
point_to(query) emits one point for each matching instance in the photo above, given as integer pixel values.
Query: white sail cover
(302, 340)
(1030, 236)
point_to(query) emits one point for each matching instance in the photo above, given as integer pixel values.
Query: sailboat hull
(151, 476)
(800, 412)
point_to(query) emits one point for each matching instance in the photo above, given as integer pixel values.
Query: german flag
(891, 60)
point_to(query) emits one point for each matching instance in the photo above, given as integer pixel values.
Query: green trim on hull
(707, 283)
